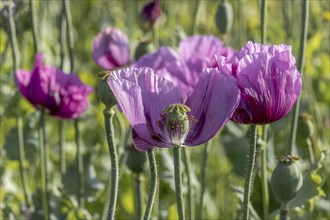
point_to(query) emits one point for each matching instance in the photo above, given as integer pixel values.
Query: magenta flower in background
(111, 49)
(185, 68)
(61, 95)
(268, 79)
(145, 98)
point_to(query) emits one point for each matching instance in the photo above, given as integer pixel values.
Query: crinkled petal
(269, 88)
(142, 95)
(212, 103)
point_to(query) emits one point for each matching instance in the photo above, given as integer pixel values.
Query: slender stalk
(187, 164)
(35, 32)
(300, 65)
(202, 179)
(178, 181)
(263, 20)
(80, 165)
(195, 19)
(43, 166)
(61, 143)
(108, 122)
(264, 178)
(68, 19)
(249, 175)
(61, 130)
(284, 212)
(13, 38)
(138, 195)
(153, 184)
(22, 160)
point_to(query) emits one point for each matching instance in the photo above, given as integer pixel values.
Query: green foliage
(228, 150)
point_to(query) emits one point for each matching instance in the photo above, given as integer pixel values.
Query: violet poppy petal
(142, 96)
(139, 143)
(269, 89)
(212, 103)
(22, 78)
(111, 49)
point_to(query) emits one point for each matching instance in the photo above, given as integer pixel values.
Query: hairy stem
(22, 160)
(108, 122)
(202, 179)
(300, 65)
(153, 184)
(178, 181)
(249, 175)
(264, 178)
(138, 195)
(187, 164)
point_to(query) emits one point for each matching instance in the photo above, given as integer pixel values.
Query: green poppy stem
(264, 178)
(153, 184)
(284, 212)
(187, 164)
(138, 179)
(178, 181)
(80, 165)
(22, 159)
(249, 175)
(35, 32)
(43, 166)
(61, 145)
(108, 123)
(300, 66)
(263, 21)
(206, 149)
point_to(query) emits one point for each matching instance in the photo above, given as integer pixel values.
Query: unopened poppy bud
(286, 180)
(305, 126)
(103, 91)
(150, 14)
(224, 17)
(136, 160)
(175, 123)
(144, 47)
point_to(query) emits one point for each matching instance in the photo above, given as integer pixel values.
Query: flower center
(175, 123)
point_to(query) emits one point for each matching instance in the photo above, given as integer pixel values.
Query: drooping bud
(305, 126)
(144, 47)
(103, 91)
(286, 180)
(224, 17)
(175, 123)
(136, 160)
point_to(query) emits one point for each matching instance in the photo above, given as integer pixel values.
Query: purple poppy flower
(61, 95)
(184, 69)
(160, 117)
(111, 49)
(268, 79)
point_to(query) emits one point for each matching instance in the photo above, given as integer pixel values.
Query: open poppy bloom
(61, 95)
(268, 80)
(161, 116)
(184, 68)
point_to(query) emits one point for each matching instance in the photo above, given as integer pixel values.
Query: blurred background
(227, 151)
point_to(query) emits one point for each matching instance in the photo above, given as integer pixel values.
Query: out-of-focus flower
(111, 49)
(268, 79)
(150, 14)
(160, 117)
(59, 94)
(184, 69)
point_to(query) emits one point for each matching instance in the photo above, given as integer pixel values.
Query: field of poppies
(157, 109)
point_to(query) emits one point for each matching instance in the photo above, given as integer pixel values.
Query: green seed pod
(144, 47)
(286, 180)
(104, 92)
(224, 17)
(136, 160)
(305, 126)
